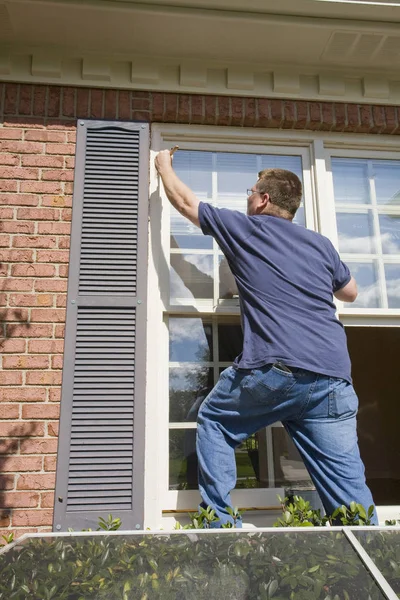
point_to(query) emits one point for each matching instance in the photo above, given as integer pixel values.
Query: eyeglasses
(251, 192)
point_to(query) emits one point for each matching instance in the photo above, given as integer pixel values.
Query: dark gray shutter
(100, 464)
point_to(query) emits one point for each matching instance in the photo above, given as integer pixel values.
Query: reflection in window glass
(194, 168)
(366, 276)
(188, 386)
(390, 233)
(191, 276)
(227, 284)
(235, 173)
(392, 273)
(387, 182)
(355, 232)
(190, 340)
(230, 341)
(350, 181)
(186, 235)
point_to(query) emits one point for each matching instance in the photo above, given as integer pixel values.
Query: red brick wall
(37, 146)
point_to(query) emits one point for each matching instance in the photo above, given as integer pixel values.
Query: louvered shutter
(100, 463)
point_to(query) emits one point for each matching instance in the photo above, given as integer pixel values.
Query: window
(349, 195)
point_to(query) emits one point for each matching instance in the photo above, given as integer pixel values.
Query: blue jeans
(318, 412)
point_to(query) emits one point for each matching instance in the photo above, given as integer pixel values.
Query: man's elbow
(348, 293)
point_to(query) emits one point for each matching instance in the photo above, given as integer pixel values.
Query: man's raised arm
(179, 194)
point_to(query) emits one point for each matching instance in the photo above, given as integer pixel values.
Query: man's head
(277, 192)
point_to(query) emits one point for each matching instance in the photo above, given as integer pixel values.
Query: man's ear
(265, 200)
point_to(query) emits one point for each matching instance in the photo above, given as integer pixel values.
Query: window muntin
(367, 204)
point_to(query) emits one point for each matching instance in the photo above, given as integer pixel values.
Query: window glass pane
(188, 386)
(390, 233)
(355, 232)
(277, 161)
(366, 275)
(289, 469)
(387, 182)
(191, 276)
(182, 459)
(350, 181)
(195, 170)
(235, 173)
(186, 235)
(190, 340)
(230, 341)
(392, 273)
(300, 217)
(227, 283)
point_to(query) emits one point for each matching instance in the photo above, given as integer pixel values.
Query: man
(295, 366)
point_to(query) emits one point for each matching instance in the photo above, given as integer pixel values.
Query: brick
(10, 99)
(33, 270)
(17, 285)
(57, 175)
(18, 227)
(57, 362)
(40, 135)
(8, 346)
(21, 463)
(9, 411)
(4, 521)
(378, 119)
(68, 97)
(263, 112)
(31, 331)
(110, 104)
(82, 103)
(68, 187)
(340, 116)
(19, 500)
(23, 394)
(48, 315)
(31, 300)
(38, 214)
(39, 100)
(96, 103)
(315, 116)
(14, 314)
(223, 110)
(19, 200)
(289, 115)
(9, 133)
(51, 162)
(11, 160)
(41, 411)
(353, 117)
(53, 101)
(54, 394)
(64, 242)
(19, 531)
(10, 378)
(59, 149)
(365, 119)
(54, 228)
(3, 301)
(43, 378)
(52, 428)
(196, 109)
(61, 301)
(25, 100)
(249, 112)
(63, 271)
(328, 116)
(237, 112)
(69, 162)
(34, 241)
(8, 186)
(21, 429)
(7, 481)
(26, 122)
(16, 255)
(47, 499)
(5, 241)
(21, 147)
(55, 256)
(171, 108)
(52, 285)
(38, 446)
(50, 463)
(157, 106)
(276, 110)
(183, 108)
(9, 445)
(25, 362)
(32, 517)
(57, 201)
(37, 481)
(40, 187)
(45, 346)
(391, 119)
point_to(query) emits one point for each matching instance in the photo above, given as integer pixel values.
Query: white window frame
(316, 150)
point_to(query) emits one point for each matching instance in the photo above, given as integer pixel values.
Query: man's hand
(163, 161)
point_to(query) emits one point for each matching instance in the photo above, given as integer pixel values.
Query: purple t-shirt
(286, 276)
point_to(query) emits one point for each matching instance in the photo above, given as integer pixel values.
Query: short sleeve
(228, 227)
(341, 273)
